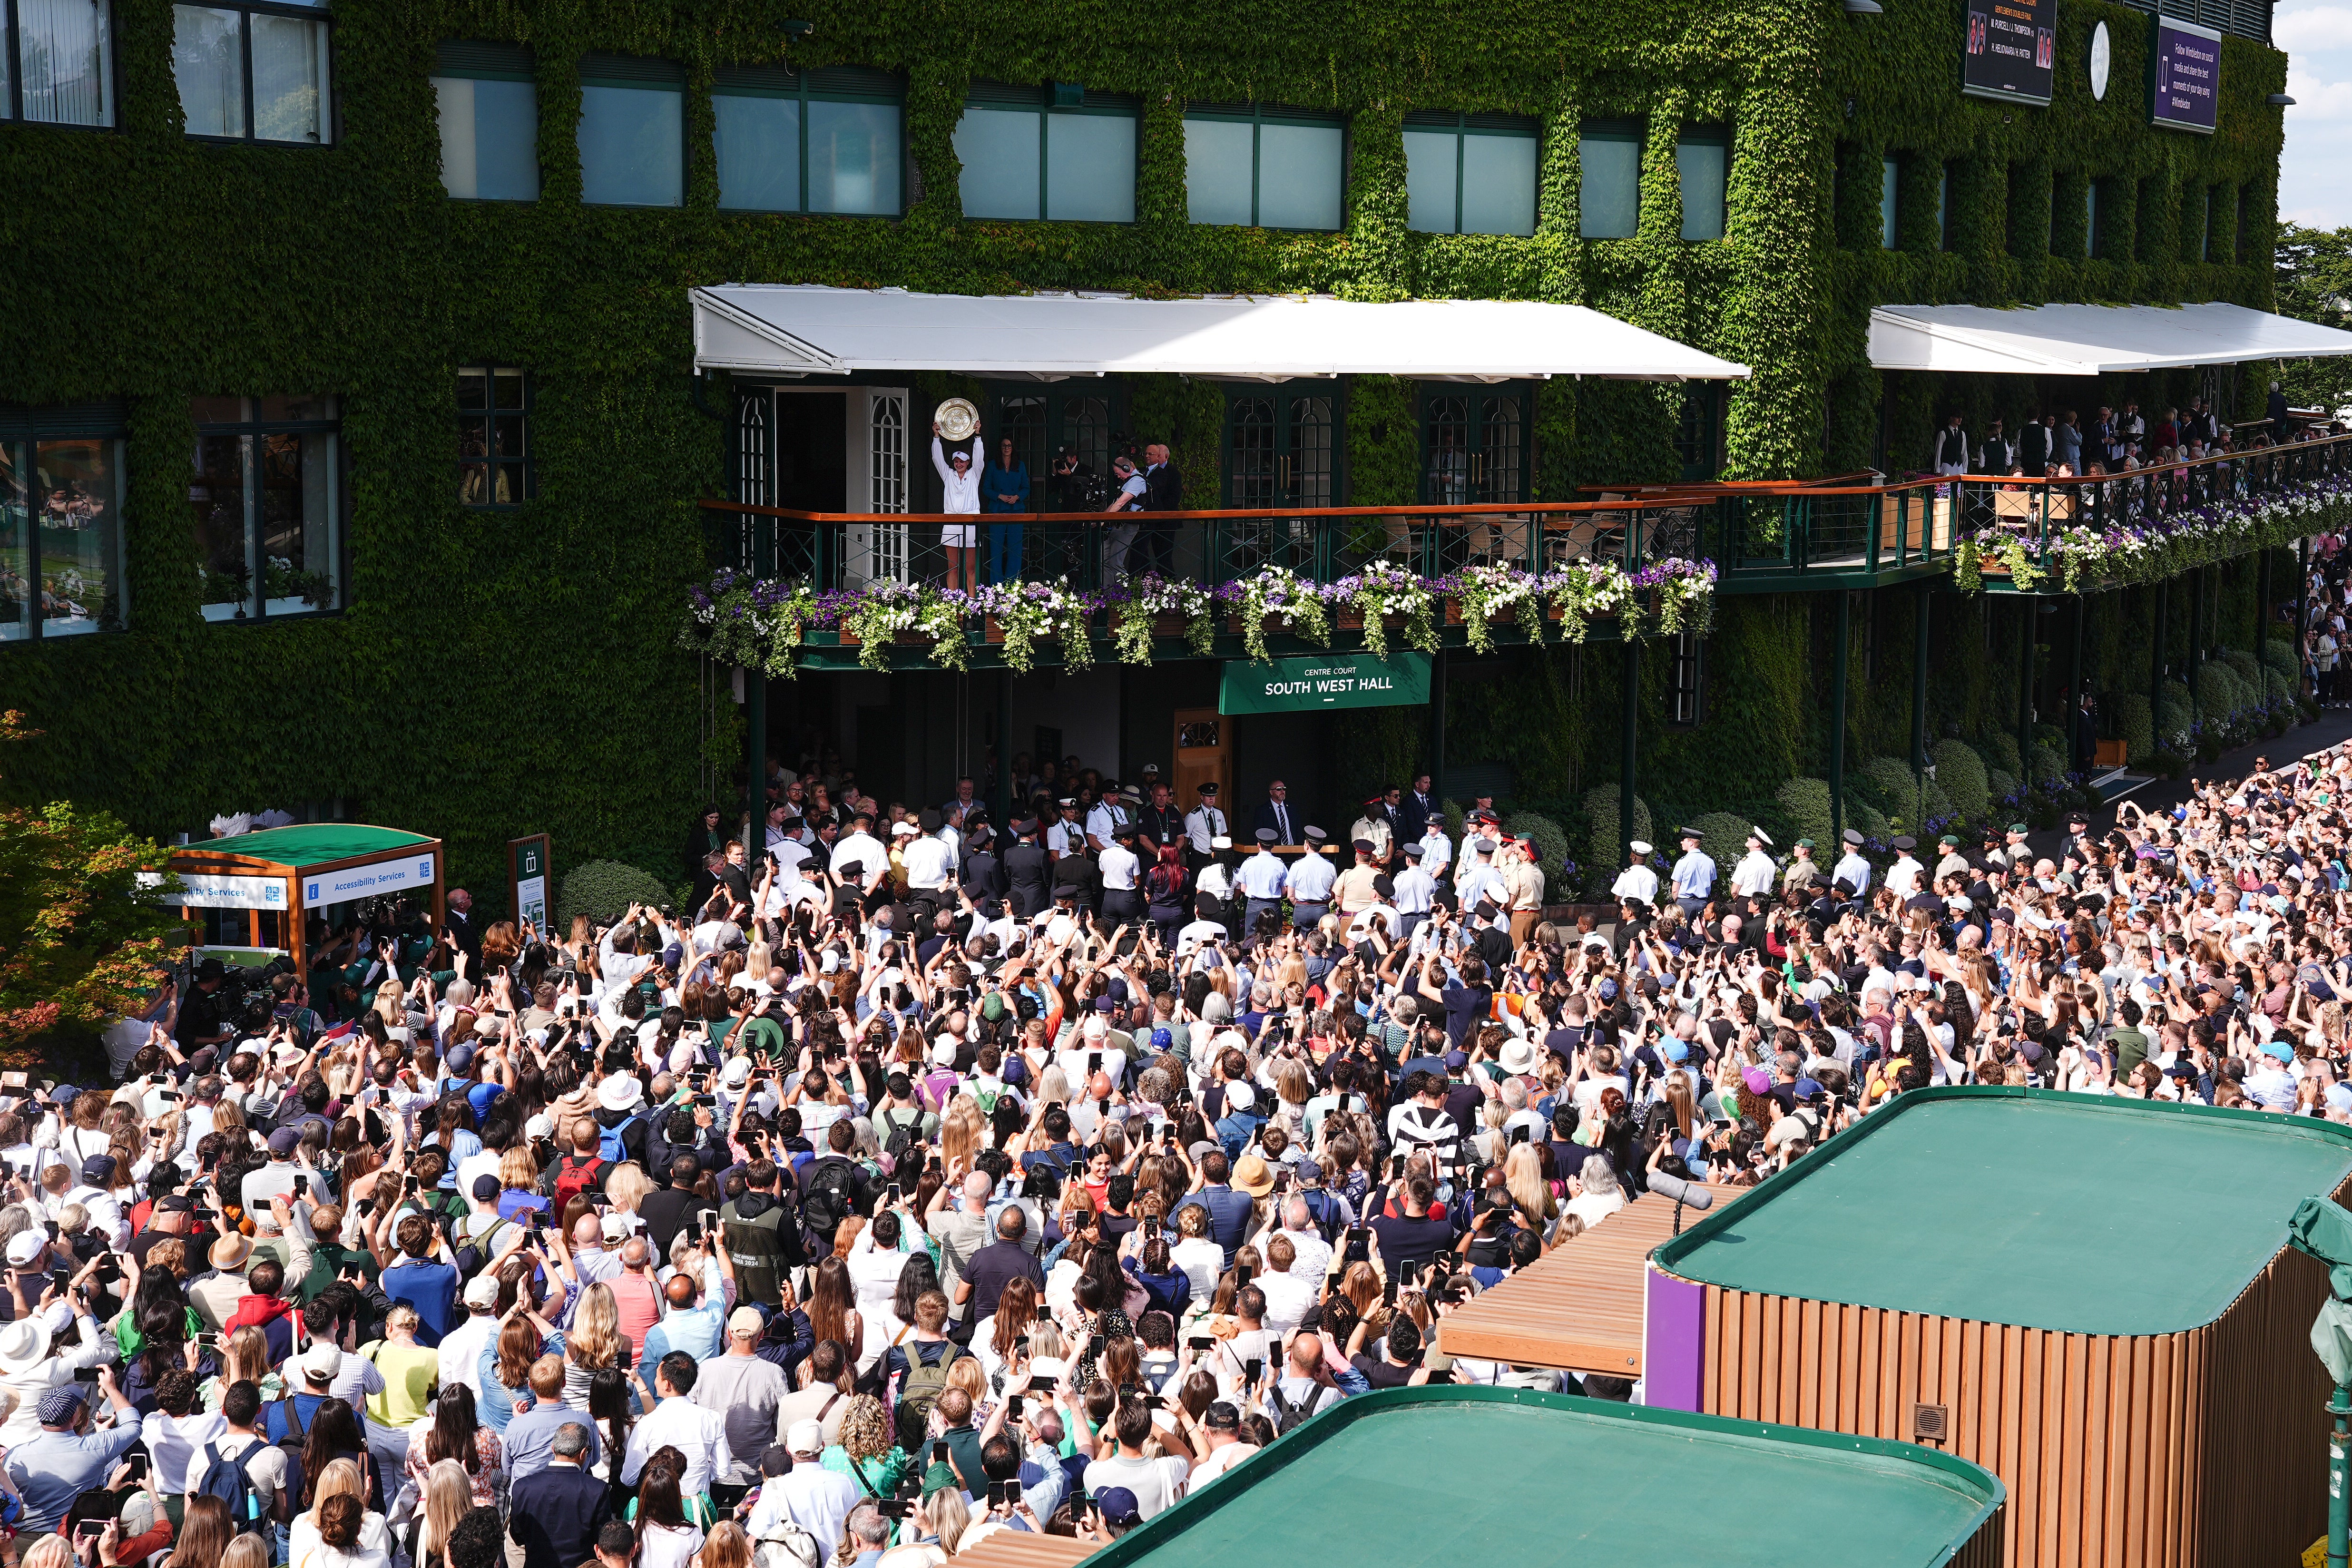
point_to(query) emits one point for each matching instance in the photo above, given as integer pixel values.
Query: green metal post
(755, 764)
(1438, 724)
(1838, 662)
(1919, 701)
(2032, 608)
(1628, 745)
(2075, 675)
(2338, 1512)
(1002, 792)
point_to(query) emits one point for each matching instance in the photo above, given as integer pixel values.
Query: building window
(1056, 152)
(1470, 174)
(1609, 195)
(493, 446)
(632, 131)
(2092, 236)
(1270, 168)
(489, 111)
(1686, 680)
(1890, 190)
(60, 523)
(1703, 167)
(59, 66)
(1694, 432)
(253, 74)
(1944, 207)
(266, 498)
(2205, 223)
(825, 141)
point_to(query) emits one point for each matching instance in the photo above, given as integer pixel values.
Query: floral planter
(1169, 626)
(991, 631)
(849, 638)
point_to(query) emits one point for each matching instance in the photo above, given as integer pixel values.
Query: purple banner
(1674, 1342)
(2185, 76)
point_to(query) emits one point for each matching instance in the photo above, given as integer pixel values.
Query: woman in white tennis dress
(960, 479)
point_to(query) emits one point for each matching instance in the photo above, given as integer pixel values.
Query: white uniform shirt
(863, 849)
(1436, 851)
(1695, 875)
(927, 861)
(1063, 838)
(1636, 882)
(1201, 824)
(1753, 874)
(1853, 868)
(1105, 818)
(1903, 877)
(1415, 890)
(1215, 880)
(1118, 866)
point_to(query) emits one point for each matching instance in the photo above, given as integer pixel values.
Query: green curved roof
(1498, 1477)
(309, 844)
(2081, 1214)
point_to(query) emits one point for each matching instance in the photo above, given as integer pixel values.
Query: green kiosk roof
(2080, 1214)
(312, 844)
(1496, 1476)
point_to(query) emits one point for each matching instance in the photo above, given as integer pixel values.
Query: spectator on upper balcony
(1004, 487)
(960, 493)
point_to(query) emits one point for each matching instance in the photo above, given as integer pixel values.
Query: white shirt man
(1310, 879)
(928, 863)
(1261, 876)
(1203, 824)
(1106, 818)
(1119, 866)
(461, 1347)
(1903, 877)
(1852, 867)
(1637, 880)
(1753, 875)
(864, 849)
(678, 1422)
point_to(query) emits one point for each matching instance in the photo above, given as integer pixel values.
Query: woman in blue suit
(1004, 487)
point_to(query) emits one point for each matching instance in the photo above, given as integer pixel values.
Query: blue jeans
(1003, 549)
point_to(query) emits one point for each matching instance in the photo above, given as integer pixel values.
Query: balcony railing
(1760, 537)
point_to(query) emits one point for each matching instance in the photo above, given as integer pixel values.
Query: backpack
(902, 1136)
(608, 1141)
(226, 1478)
(785, 1544)
(1287, 1415)
(1324, 1210)
(924, 1384)
(832, 1195)
(571, 1180)
(474, 1254)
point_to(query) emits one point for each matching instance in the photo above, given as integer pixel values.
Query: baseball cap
(805, 1437)
(539, 1126)
(461, 1059)
(1118, 1506)
(98, 1171)
(486, 1187)
(745, 1320)
(285, 1140)
(322, 1360)
(26, 1246)
(482, 1291)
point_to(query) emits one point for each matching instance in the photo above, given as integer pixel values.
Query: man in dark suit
(1024, 870)
(1414, 808)
(1163, 490)
(557, 1512)
(462, 932)
(1277, 815)
(1160, 823)
(2033, 448)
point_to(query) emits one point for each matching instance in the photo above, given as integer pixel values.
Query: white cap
(1240, 1096)
(539, 1126)
(26, 1246)
(322, 1360)
(1220, 842)
(805, 1437)
(482, 1291)
(1639, 847)
(943, 1050)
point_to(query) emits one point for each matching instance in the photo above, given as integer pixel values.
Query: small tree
(81, 941)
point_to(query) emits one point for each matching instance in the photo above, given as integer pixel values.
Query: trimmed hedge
(2135, 724)
(604, 889)
(1962, 774)
(1601, 837)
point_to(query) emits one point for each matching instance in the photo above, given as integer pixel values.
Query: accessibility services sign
(1325, 680)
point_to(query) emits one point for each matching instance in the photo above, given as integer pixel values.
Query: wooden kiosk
(279, 877)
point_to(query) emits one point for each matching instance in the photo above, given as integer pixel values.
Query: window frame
(2094, 227)
(490, 62)
(1257, 117)
(1890, 201)
(528, 461)
(255, 609)
(12, 103)
(1618, 130)
(1464, 125)
(633, 73)
(1005, 98)
(1702, 133)
(26, 428)
(804, 88)
(1685, 698)
(330, 121)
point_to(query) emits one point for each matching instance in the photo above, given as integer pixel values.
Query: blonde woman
(594, 1343)
(449, 1496)
(244, 1550)
(410, 1371)
(934, 1527)
(339, 1529)
(726, 1547)
(960, 1129)
(627, 1188)
(1530, 1194)
(867, 1452)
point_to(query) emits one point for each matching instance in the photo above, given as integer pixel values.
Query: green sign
(526, 860)
(1325, 680)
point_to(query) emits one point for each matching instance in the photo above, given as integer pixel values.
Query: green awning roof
(310, 844)
(1498, 1478)
(2074, 1213)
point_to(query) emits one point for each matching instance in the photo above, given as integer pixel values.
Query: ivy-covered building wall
(497, 671)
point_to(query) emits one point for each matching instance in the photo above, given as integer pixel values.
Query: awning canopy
(796, 330)
(2088, 340)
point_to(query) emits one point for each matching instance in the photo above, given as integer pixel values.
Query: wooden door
(1205, 752)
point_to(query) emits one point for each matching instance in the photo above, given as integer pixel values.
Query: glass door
(1474, 453)
(1281, 450)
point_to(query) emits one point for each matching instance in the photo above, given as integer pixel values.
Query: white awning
(807, 329)
(2088, 340)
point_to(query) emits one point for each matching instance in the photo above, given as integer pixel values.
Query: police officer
(1261, 879)
(1025, 871)
(1122, 899)
(1309, 883)
(1852, 869)
(1694, 874)
(983, 875)
(1752, 877)
(1204, 823)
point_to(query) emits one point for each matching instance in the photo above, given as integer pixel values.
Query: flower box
(1170, 626)
(849, 638)
(991, 631)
